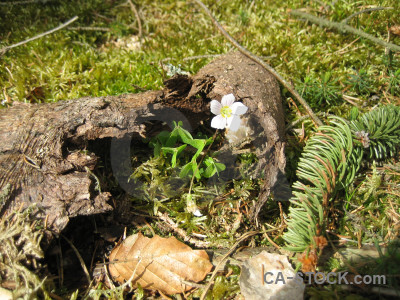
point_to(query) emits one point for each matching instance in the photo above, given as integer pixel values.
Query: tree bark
(43, 155)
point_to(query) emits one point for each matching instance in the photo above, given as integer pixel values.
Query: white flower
(227, 113)
(197, 213)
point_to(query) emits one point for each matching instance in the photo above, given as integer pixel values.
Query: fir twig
(258, 60)
(344, 28)
(329, 164)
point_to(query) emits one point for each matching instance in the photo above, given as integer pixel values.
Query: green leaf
(212, 167)
(198, 144)
(186, 170)
(210, 171)
(208, 161)
(157, 149)
(220, 167)
(175, 152)
(163, 137)
(327, 77)
(184, 135)
(196, 171)
(354, 112)
(168, 150)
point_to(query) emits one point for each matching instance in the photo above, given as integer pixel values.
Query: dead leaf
(395, 29)
(36, 95)
(158, 263)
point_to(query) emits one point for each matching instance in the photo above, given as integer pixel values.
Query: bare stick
(346, 20)
(78, 255)
(19, 2)
(105, 29)
(208, 56)
(5, 49)
(258, 60)
(171, 224)
(133, 8)
(344, 28)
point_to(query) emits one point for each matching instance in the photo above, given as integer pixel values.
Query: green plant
(329, 165)
(378, 131)
(165, 141)
(20, 252)
(321, 91)
(394, 83)
(177, 155)
(361, 82)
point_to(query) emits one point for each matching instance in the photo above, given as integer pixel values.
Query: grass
(326, 67)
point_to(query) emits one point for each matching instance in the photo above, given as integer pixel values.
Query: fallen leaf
(395, 29)
(158, 263)
(36, 95)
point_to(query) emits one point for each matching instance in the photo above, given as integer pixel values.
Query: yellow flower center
(226, 112)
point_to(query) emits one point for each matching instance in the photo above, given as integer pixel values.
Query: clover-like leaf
(175, 152)
(186, 170)
(212, 167)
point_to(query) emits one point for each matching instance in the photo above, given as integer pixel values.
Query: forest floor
(119, 47)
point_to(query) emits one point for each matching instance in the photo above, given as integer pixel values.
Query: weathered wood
(43, 157)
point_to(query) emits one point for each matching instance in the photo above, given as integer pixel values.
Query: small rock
(269, 276)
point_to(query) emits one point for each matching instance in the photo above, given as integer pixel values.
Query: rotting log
(43, 155)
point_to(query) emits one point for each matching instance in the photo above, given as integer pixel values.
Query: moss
(75, 63)
(20, 255)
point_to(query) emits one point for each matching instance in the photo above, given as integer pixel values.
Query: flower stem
(201, 160)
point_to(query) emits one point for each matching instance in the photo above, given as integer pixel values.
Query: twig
(271, 241)
(193, 284)
(90, 28)
(209, 56)
(5, 49)
(164, 60)
(171, 224)
(258, 60)
(20, 2)
(133, 8)
(351, 100)
(346, 20)
(223, 261)
(341, 51)
(344, 28)
(82, 262)
(201, 56)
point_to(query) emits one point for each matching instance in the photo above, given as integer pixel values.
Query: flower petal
(234, 123)
(228, 100)
(218, 122)
(197, 213)
(215, 107)
(238, 108)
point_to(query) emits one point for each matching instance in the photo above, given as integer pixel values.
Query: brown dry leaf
(395, 29)
(158, 263)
